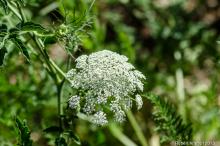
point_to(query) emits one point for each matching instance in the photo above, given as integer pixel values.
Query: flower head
(107, 83)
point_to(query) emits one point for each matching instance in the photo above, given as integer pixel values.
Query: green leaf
(21, 47)
(4, 4)
(24, 133)
(50, 40)
(53, 129)
(13, 33)
(169, 124)
(3, 51)
(74, 137)
(60, 141)
(33, 27)
(3, 30)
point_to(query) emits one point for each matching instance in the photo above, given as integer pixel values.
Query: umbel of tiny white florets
(106, 85)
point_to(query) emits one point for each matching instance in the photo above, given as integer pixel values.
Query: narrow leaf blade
(33, 27)
(21, 47)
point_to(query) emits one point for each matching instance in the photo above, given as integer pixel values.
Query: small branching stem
(91, 5)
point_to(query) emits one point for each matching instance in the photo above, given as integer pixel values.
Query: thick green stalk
(114, 129)
(120, 136)
(137, 129)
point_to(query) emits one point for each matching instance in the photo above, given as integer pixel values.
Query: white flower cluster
(106, 82)
(74, 102)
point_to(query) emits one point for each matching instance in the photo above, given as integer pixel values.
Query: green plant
(24, 34)
(42, 52)
(24, 132)
(168, 123)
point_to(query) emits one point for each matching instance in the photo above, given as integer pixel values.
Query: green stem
(57, 68)
(20, 11)
(45, 56)
(180, 90)
(84, 117)
(14, 11)
(49, 8)
(59, 103)
(137, 129)
(91, 5)
(114, 129)
(120, 136)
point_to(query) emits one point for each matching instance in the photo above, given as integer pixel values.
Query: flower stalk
(136, 128)
(120, 136)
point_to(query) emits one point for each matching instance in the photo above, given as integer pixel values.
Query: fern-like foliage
(169, 124)
(24, 133)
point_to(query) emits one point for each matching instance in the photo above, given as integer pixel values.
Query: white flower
(89, 106)
(106, 81)
(74, 102)
(99, 118)
(119, 116)
(139, 102)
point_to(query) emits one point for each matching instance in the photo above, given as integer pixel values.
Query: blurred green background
(173, 42)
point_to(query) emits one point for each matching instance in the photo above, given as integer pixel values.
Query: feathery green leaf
(168, 123)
